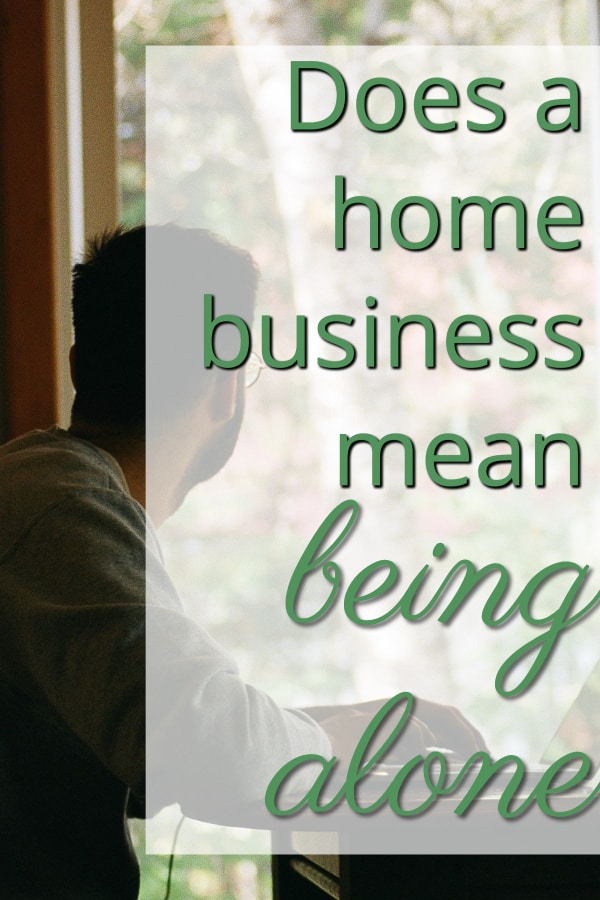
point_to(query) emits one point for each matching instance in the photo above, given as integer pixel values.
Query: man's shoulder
(57, 454)
(46, 469)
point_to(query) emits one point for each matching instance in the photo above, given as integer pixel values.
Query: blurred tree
(311, 22)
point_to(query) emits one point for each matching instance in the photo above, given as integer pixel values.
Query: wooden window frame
(58, 186)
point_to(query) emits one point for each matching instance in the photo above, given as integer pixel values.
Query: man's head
(138, 301)
(118, 323)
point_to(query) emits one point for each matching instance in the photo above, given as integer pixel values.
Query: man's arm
(430, 725)
(75, 641)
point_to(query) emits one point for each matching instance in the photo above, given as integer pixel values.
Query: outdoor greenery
(264, 545)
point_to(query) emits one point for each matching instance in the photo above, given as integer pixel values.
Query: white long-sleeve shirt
(82, 588)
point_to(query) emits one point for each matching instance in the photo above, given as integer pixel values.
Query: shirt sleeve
(91, 604)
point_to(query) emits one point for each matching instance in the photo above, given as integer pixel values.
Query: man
(82, 581)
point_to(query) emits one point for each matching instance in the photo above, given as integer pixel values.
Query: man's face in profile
(184, 267)
(211, 458)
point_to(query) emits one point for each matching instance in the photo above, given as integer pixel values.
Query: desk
(318, 877)
(314, 866)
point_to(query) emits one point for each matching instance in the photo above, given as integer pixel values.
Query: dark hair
(109, 315)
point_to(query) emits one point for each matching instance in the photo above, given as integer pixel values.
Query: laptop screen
(580, 728)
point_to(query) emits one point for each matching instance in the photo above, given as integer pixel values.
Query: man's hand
(431, 725)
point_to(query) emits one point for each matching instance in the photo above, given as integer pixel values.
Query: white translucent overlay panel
(410, 508)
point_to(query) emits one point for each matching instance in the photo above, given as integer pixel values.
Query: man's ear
(223, 400)
(72, 356)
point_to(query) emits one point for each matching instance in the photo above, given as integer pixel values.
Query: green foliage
(201, 877)
(173, 22)
(346, 23)
(169, 22)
